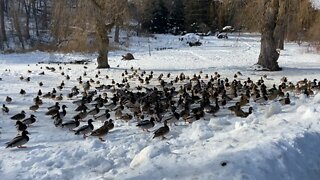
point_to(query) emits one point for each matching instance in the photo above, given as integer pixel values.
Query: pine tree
(197, 14)
(176, 18)
(159, 22)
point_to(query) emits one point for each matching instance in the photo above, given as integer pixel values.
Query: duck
(126, 117)
(103, 117)
(8, 99)
(146, 124)
(86, 86)
(61, 114)
(101, 131)
(30, 120)
(118, 114)
(110, 124)
(5, 109)
(55, 106)
(81, 115)
(240, 113)
(285, 100)
(94, 111)
(22, 92)
(20, 126)
(86, 129)
(34, 107)
(261, 100)
(59, 98)
(192, 118)
(71, 124)
(81, 107)
(57, 120)
(162, 131)
(19, 116)
(172, 119)
(18, 141)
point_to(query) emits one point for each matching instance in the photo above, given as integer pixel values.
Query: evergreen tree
(156, 17)
(177, 17)
(159, 22)
(197, 14)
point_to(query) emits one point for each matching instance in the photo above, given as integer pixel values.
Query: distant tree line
(74, 24)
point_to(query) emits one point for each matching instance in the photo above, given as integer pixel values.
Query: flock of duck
(147, 99)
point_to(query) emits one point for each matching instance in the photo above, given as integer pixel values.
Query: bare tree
(106, 15)
(268, 52)
(281, 28)
(2, 24)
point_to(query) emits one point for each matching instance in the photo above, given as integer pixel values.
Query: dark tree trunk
(17, 26)
(102, 35)
(34, 12)
(281, 28)
(116, 34)
(103, 41)
(27, 10)
(268, 53)
(2, 25)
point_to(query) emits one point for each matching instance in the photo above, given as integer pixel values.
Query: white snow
(316, 4)
(275, 142)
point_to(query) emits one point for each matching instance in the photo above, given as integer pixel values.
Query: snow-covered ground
(316, 4)
(275, 142)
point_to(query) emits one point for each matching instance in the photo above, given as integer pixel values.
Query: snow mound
(316, 98)
(190, 38)
(146, 155)
(274, 108)
(200, 130)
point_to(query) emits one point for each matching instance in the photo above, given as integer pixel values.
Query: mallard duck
(34, 107)
(103, 117)
(102, 131)
(94, 111)
(20, 126)
(19, 140)
(62, 113)
(241, 113)
(172, 119)
(59, 98)
(126, 117)
(81, 115)
(86, 129)
(55, 106)
(22, 92)
(8, 99)
(192, 118)
(5, 109)
(162, 131)
(71, 124)
(110, 124)
(146, 124)
(285, 100)
(57, 120)
(30, 120)
(118, 114)
(19, 116)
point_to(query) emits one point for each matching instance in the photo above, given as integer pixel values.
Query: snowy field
(274, 142)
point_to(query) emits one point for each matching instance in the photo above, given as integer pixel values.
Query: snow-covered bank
(275, 142)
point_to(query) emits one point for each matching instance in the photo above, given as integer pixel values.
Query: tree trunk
(103, 41)
(102, 34)
(34, 12)
(281, 27)
(116, 34)
(17, 26)
(2, 25)
(268, 53)
(27, 10)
